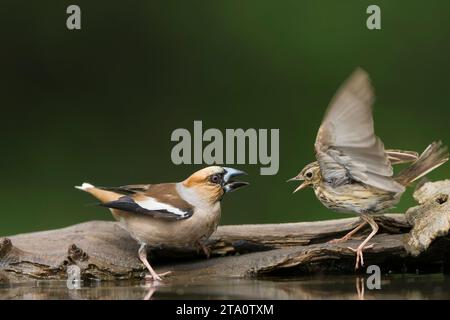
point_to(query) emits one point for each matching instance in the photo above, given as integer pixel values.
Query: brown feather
(434, 156)
(103, 195)
(401, 156)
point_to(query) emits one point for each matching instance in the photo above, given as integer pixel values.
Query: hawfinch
(170, 214)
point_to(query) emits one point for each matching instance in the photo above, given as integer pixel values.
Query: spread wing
(158, 201)
(347, 148)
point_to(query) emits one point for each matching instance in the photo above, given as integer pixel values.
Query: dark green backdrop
(99, 104)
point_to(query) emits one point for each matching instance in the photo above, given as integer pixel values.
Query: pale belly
(356, 198)
(170, 233)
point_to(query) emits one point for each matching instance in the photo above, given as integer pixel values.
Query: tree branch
(103, 250)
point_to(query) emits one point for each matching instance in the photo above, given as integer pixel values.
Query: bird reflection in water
(360, 287)
(151, 288)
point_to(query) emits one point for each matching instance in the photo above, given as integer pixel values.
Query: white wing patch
(154, 205)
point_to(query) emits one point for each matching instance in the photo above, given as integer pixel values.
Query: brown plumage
(353, 172)
(170, 214)
(401, 156)
(435, 155)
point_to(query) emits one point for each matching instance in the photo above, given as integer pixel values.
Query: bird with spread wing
(353, 172)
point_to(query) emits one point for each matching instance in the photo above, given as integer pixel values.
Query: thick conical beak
(299, 178)
(230, 184)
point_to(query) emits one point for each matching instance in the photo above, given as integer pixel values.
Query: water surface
(431, 286)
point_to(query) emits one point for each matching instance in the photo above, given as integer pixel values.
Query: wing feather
(346, 145)
(149, 207)
(402, 156)
(128, 189)
(154, 200)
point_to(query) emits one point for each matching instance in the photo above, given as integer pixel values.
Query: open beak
(300, 187)
(229, 183)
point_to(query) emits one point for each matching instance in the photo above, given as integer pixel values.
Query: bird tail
(102, 195)
(401, 156)
(434, 155)
(85, 186)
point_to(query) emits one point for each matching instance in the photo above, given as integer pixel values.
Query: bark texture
(417, 240)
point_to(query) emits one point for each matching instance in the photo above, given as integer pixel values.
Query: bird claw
(359, 255)
(206, 250)
(157, 277)
(149, 278)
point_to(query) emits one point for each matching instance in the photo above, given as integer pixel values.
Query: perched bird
(170, 214)
(353, 172)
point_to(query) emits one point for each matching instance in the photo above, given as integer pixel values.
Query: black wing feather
(126, 203)
(127, 190)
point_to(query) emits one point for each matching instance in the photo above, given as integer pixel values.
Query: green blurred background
(100, 104)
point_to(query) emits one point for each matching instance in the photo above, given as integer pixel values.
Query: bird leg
(206, 250)
(143, 257)
(350, 234)
(359, 250)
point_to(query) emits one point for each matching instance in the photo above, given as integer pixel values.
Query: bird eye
(309, 174)
(215, 178)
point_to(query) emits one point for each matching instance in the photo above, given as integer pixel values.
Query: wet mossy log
(417, 240)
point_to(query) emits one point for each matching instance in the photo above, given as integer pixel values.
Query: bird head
(310, 175)
(211, 183)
